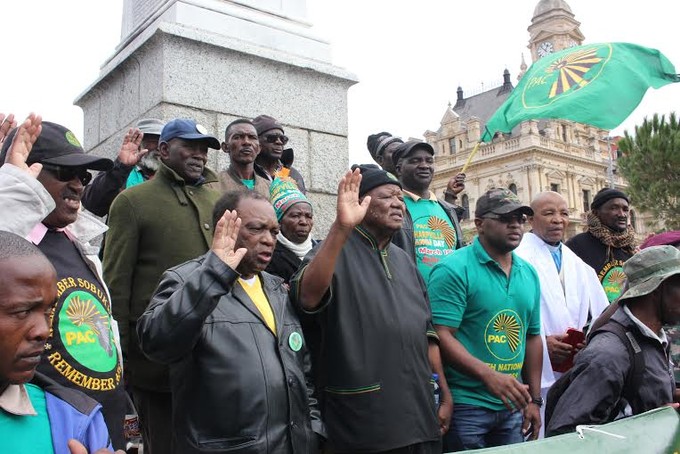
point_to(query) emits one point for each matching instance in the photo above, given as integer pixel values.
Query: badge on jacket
(295, 341)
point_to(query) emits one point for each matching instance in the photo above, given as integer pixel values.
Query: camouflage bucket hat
(647, 269)
(500, 201)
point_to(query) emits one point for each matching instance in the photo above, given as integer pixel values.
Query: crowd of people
(199, 300)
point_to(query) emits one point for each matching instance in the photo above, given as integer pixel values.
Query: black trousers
(155, 419)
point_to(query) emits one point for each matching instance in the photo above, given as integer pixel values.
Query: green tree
(650, 161)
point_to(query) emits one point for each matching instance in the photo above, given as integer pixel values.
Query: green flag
(596, 84)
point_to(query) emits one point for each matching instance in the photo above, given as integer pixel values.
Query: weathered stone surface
(177, 64)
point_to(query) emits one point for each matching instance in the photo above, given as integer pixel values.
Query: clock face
(544, 49)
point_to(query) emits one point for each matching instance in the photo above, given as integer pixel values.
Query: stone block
(329, 161)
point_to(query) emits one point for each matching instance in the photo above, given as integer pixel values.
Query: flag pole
(487, 134)
(472, 154)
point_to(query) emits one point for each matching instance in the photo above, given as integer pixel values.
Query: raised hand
(224, 241)
(129, 153)
(349, 211)
(456, 184)
(23, 141)
(7, 123)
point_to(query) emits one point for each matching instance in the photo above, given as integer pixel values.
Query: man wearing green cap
(486, 310)
(600, 390)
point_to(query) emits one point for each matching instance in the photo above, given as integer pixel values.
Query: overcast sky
(410, 56)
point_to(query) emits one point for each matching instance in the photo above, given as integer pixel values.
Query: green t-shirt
(27, 434)
(433, 233)
(493, 313)
(250, 184)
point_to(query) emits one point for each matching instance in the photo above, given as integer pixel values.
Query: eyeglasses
(272, 138)
(507, 218)
(69, 173)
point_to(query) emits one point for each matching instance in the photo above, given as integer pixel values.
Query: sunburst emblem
(83, 312)
(616, 277)
(435, 223)
(571, 70)
(507, 324)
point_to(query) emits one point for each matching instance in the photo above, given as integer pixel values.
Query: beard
(150, 162)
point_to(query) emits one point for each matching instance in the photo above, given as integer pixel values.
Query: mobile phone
(574, 337)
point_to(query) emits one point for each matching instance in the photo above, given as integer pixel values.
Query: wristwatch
(538, 401)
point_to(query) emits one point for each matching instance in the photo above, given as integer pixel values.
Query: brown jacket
(229, 182)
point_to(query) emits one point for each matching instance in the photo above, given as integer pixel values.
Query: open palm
(224, 241)
(350, 212)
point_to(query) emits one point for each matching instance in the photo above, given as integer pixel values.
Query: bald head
(551, 216)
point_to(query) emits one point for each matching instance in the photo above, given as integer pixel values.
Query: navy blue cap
(187, 129)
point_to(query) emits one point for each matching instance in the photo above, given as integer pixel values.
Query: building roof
(483, 105)
(545, 6)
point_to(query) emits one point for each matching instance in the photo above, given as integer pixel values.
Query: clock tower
(553, 28)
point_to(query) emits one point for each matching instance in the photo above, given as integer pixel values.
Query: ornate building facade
(574, 159)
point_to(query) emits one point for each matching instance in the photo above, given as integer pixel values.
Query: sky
(410, 56)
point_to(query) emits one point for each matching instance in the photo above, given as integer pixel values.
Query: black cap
(409, 147)
(58, 146)
(373, 176)
(606, 194)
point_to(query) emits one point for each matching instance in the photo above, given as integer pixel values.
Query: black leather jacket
(405, 239)
(236, 387)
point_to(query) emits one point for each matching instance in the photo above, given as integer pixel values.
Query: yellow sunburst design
(571, 70)
(84, 312)
(616, 277)
(507, 324)
(435, 223)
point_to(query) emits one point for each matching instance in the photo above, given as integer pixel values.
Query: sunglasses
(272, 138)
(69, 173)
(507, 218)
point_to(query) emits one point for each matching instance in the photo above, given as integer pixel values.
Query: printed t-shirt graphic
(612, 278)
(81, 349)
(434, 234)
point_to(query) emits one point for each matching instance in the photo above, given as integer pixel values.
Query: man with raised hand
(380, 350)
(240, 371)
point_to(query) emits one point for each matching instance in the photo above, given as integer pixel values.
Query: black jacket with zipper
(236, 386)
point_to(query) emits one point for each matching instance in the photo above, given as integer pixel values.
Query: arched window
(633, 219)
(452, 145)
(513, 188)
(465, 200)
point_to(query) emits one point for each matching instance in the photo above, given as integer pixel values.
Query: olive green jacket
(152, 227)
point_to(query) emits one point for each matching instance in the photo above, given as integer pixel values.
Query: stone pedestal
(215, 61)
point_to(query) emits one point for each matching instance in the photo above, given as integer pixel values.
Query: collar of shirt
(645, 329)
(369, 238)
(15, 400)
(415, 198)
(39, 231)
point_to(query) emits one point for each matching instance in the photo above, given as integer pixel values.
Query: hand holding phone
(575, 338)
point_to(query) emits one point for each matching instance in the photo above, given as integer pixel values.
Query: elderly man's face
(614, 214)
(386, 210)
(28, 291)
(186, 157)
(551, 218)
(259, 228)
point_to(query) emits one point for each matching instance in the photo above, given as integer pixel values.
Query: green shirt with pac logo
(493, 314)
(433, 232)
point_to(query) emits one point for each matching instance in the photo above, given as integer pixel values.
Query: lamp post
(610, 167)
